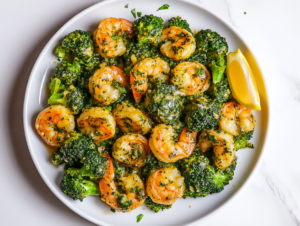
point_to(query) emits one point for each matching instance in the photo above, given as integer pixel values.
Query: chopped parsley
(133, 13)
(126, 6)
(112, 210)
(115, 37)
(139, 217)
(200, 71)
(165, 6)
(245, 13)
(139, 14)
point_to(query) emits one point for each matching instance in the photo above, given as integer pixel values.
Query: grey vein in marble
(282, 193)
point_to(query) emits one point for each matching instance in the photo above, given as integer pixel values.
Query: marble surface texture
(272, 29)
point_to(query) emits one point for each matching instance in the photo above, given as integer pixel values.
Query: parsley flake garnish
(133, 13)
(245, 13)
(200, 71)
(139, 14)
(115, 37)
(165, 6)
(126, 6)
(139, 217)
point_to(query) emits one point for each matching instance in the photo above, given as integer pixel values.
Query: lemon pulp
(241, 81)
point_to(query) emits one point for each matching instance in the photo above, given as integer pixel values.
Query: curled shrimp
(179, 44)
(53, 124)
(101, 84)
(165, 186)
(131, 120)
(97, 122)
(191, 78)
(131, 150)
(155, 69)
(125, 195)
(165, 149)
(236, 119)
(222, 144)
(109, 36)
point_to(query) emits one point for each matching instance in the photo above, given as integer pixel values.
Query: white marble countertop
(272, 29)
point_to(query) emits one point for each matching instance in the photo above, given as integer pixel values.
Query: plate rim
(198, 5)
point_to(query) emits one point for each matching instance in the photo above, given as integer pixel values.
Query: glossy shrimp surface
(53, 124)
(164, 147)
(101, 84)
(222, 144)
(179, 44)
(97, 122)
(165, 186)
(191, 78)
(236, 119)
(131, 150)
(125, 195)
(154, 69)
(109, 36)
(131, 120)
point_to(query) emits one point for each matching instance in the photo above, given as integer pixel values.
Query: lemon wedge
(241, 81)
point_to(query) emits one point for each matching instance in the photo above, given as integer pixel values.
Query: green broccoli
(136, 52)
(75, 148)
(78, 188)
(68, 73)
(215, 48)
(148, 29)
(241, 141)
(163, 104)
(155, 206)
(202, 114)
(80, 43)
(71, 97)
(219, 91)
(179, 22)
(201, 178)
(57, 158)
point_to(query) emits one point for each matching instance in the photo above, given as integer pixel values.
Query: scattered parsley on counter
(165, 6)
(245, 13)
(139, 218)
(112, 210)
(126, 6)
(133, 13)
(139, 14)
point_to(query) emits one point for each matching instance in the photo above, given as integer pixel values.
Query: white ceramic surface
(92, 209)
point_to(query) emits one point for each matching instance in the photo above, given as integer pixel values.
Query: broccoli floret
(241, 141)
(163, 104)
(57, 158)
(136, 52)
(68, 73)
(179, 22)
(71, 97)
(76, 187)
(155, 206)
(201, 178)
(148, 29)
(215, 47)
(75, 148)
(202, 114)
(219, 91)
(80, 43)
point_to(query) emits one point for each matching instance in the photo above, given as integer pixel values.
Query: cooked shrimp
(236, 119)
(191, 78)
(222, 144)
(165, 186)
(109, 36)
(179, 44)
(131, 120)
(53, 124)
(131, 150)
(97, 122)
(101, 84)
(155, 69)
(125, 195)
(164, 147)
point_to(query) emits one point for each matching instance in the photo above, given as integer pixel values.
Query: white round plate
(184, 211)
